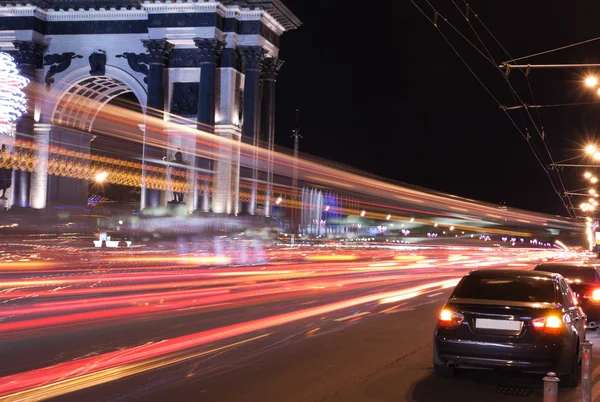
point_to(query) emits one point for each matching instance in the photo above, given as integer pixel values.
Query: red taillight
(595, 296)
(548, 325)
(449, 318)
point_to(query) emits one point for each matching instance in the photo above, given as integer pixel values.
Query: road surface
(302, 325)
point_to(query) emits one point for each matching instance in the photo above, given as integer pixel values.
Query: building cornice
(112, 14)
(21, 11)
(159, 7)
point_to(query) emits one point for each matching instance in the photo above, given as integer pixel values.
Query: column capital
(158, 50)
(42, 128)
(210, 49)
(29, 53)
(252, 57)
(270, 68)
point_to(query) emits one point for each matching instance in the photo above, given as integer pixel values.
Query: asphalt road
(383, 358)
(336, 325)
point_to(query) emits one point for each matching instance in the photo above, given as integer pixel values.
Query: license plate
(504, 325)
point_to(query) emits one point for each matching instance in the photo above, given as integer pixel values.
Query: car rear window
(525, 289)
(571, 274)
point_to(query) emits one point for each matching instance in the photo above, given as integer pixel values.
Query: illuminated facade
(210, 65)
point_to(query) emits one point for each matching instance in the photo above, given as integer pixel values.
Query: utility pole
(296, 137)
(296, 210)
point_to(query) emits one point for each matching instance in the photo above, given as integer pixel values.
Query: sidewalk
(575, 395)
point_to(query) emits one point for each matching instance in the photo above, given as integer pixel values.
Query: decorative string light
(12, 98)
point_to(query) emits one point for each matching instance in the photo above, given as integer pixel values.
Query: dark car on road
(584, 280)
(510, 319)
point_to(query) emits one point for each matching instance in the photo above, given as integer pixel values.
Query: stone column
(154, 135)
(271, 66)
(209, 51)
(39, 177)
(251, 63)
(29, 59)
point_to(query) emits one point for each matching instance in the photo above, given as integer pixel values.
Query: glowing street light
(101, 177)
(591, 81)
(388, 217)
(592, 191)
(412, 220)
(587, 207)
(590, 149)
(278, 201)
(326, 208)
(363, 213)
(598, 91)
(587, 175)
(597, 156)
(451, 228)
(594, 180)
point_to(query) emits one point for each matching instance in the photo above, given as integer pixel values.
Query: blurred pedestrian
(5, 171)
(180, 167)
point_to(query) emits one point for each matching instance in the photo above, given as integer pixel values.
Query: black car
(510, 319)
(585, 282)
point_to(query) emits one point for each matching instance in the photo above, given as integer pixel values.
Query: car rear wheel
(443, 370)
(571, 380)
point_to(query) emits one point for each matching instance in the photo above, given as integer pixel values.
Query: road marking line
(436, 294)
(348, 317)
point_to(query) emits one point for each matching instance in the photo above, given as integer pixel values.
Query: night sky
(379, 89)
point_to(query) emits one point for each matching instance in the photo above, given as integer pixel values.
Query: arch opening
(80, 105)
(100, 116)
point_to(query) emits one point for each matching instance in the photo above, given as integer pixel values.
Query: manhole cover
(517, 390)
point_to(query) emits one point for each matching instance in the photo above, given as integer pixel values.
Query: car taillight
(449, 318)
(548, 325)
(596, 295)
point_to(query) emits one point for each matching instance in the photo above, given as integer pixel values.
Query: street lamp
(591, 81)
(363, 213)
(388, 217)
(590, 149)
(101, 177)
(587, 207)
(587, 175)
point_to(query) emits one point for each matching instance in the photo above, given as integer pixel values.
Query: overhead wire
(542, 134)
(553, 105)
(552, 50)
(488, 58)
(514, 93)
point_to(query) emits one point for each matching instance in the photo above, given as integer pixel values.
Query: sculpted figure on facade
(98, 63)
